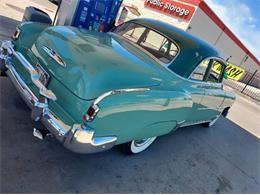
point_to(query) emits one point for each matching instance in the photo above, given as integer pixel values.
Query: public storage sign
(233, 71)
(172, 8)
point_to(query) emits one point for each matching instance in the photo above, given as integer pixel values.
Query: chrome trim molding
(117, 91)
(207, 108)
(193, 123)
(55, 56)
(77, 137)
(82, 140)
(112, 92)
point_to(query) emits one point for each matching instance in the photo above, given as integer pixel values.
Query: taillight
(91, 113)
(16, 34)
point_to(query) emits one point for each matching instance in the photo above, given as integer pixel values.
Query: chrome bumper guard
(77, 138)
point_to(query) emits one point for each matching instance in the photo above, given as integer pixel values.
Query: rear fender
(137, 115)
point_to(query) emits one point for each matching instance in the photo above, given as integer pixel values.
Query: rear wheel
(137, 146)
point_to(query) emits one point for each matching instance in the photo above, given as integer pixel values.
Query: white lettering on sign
(156, 2)
(170, 7)
(179, 10)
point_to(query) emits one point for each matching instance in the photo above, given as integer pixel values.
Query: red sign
(172, 8)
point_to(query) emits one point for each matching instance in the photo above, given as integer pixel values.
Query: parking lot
(224, 158)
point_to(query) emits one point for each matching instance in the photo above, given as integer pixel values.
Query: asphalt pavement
(221, 159)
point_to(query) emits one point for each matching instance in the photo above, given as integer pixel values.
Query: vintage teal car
(95, 90)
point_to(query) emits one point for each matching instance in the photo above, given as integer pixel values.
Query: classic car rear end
(96, 90)
(60, 85)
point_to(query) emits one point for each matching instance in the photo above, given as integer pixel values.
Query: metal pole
(54, 20)
(249, 81)
(219, 36)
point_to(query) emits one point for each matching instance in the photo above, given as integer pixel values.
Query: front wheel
(137, 146)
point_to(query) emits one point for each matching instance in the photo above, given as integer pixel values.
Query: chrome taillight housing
(16, 34)
(91, 113)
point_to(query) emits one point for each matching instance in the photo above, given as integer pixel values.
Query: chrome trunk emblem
(54, 55)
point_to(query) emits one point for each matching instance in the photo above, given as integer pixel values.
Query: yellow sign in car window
(233, 71)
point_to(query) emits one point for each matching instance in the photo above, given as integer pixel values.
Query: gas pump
(88, 14)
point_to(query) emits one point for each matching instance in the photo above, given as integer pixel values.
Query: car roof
(192, 49)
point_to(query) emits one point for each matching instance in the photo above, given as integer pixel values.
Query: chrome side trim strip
(117, 91)
(95, 106)
(208, 108)
(194, 123)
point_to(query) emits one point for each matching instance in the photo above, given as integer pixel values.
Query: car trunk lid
(91, 63)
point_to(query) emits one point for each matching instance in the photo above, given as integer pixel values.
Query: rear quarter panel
(138, 115)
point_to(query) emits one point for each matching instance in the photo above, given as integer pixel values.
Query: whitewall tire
(137, 146)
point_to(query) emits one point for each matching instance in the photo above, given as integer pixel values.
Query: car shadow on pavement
(7, 27)
(220, 159)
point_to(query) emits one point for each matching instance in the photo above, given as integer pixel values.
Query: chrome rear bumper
(77, 138)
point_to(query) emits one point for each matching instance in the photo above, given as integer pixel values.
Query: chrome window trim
(148, 27)
(208, 58)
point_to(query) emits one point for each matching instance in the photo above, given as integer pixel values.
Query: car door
(196, 88)
(214, 93)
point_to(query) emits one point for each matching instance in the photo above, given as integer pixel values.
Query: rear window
(157, 45)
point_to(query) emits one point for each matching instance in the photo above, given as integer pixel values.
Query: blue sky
(243, 18)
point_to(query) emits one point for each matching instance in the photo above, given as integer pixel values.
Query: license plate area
(44, 76)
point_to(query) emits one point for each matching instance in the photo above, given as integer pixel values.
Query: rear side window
(200, 72)
(209, 70)
(133, 32)
(130, 31)
(157, 45)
